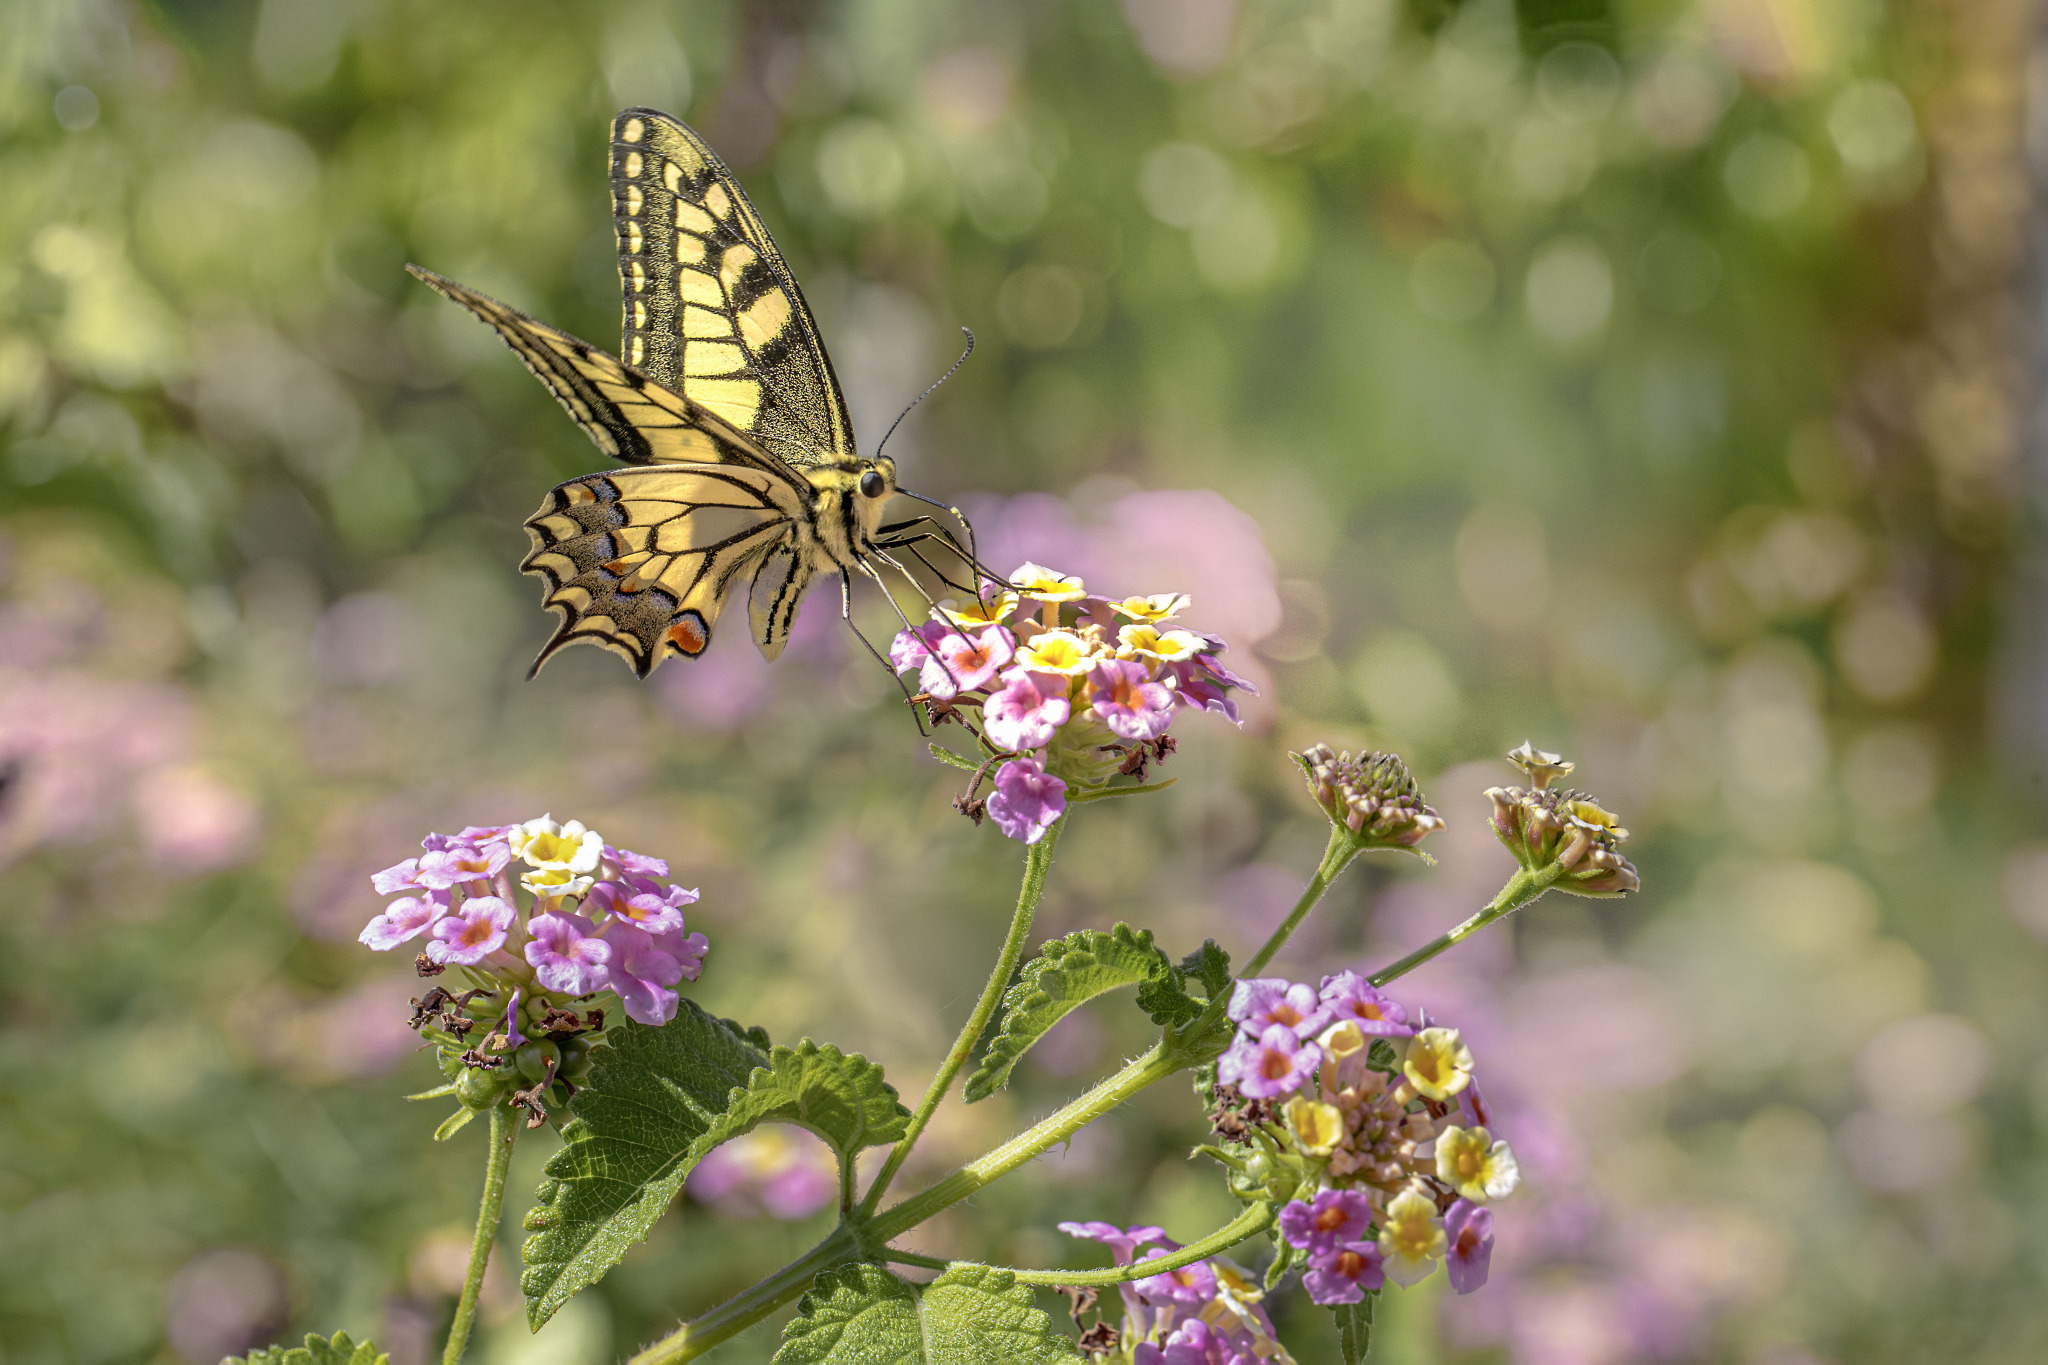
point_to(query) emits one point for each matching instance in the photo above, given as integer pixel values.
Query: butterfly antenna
(927, 393)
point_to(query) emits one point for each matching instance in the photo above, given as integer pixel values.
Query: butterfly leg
(893, 539)
(846, 615)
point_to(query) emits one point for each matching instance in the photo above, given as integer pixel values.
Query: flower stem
(1343, 847)
(504, 1132)
(1156, 1065)
(735, 1315)
(1037, 862)
(1523, 887)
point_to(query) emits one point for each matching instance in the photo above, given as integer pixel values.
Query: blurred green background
(1642, 377)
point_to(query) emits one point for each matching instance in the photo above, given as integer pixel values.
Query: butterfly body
(741, 458)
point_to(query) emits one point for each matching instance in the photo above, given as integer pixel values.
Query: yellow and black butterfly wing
(712, 311)
(639, 561)
(628, 417)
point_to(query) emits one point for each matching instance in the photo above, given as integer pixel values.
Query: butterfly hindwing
(712, 312)
(640, 560)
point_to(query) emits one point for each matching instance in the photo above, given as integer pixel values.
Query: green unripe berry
(482, 1087)
(536, 1059)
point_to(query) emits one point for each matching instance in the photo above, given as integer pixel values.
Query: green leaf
(1067, 973)
(338, 1350)
(1209, 965)
(840, 1097)
(1354, 1328)
(657, 1102)
(860, 1314)
(652, 1094)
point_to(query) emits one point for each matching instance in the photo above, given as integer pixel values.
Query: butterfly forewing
(711, 309)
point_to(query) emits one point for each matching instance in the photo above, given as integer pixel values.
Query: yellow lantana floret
(564, 858)
(1411, 1238)
(1157, 609)
(1144, 641)
(1047, 585)
(1437, 1064)
(1057, 651)
(1476, 1166)
(979, 612)
(1317, 1127)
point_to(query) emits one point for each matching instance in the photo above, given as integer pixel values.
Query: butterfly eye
(871, 484)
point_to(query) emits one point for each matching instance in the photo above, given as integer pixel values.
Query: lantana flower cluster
(596, 923)
(1372, 795)
(1076, 687)
(1378, 1116)
(1541, 825)
(1206, 1313)
(781, 1171)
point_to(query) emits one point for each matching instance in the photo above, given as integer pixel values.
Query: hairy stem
(1337, 856)
(1523, 887)
(735, 1315)
(1037, 862)
(504, 1132)
(1156, 1065)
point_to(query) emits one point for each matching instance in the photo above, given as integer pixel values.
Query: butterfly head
(878, 480)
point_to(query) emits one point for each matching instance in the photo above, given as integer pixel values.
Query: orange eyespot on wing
(689, 634)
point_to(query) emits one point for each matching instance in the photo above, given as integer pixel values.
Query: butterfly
(723, 404)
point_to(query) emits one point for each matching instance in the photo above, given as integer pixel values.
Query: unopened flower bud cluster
(1078, 686)
(1542, 825)
(1371, 795)
(1391, 1159)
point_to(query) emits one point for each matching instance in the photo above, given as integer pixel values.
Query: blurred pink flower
(223, 1302)
(192, 821)
(780, 1171)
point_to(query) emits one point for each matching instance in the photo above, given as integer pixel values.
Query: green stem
(1343, 847)
(737, 1314)
(1245, 1226)
(1156, 1065)
(1523, 887)
(1037, 862)
(504, 1132)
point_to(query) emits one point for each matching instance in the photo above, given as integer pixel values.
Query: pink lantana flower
(641, 971)
(913, 648)
(639, 864)
(1188, 1286)
(1275, 1063)
(1468, 1228)
(1258, 1003)
(1344, 1273)
(1028, 711)
(1336, 1217)
(459, 862)
(1129, 702)
(472, 933)
(1348, 998)
(1027, 800)
(566, 953)
(1199, 683)
(403, 920)
(646, 903)
(403, 876)
(1122, 1243)
(965, 660)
